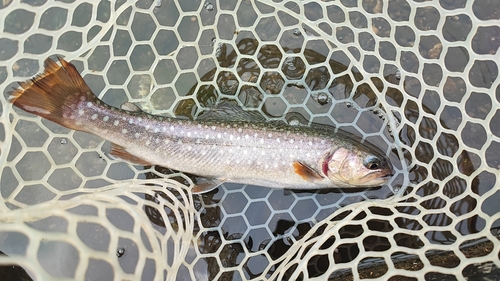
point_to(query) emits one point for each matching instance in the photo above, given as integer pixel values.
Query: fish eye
(372, 163)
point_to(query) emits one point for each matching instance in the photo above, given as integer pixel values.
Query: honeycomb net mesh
(419, 79)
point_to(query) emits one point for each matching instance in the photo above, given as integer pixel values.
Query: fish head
(357, 167)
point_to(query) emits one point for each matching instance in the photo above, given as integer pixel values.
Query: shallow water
(365, 70)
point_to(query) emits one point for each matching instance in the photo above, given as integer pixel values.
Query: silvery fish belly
(266, 154)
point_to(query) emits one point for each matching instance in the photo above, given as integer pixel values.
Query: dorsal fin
(229, 110)
(128, 106)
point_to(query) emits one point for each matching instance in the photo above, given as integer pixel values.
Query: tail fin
(54, 94)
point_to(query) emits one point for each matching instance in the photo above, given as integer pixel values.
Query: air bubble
(63, 141)
(297, 32)
(158, 3)
(209, 6)
(120, 252)
(348, 104)
(397, 74)
(321, 98)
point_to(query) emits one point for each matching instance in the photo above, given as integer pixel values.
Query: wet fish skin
(265, 154)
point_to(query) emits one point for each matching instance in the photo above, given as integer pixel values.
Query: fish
(259, 153)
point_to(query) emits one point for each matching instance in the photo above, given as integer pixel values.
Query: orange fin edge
(120, 152)
(306, 172)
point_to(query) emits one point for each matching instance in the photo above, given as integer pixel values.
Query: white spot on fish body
(189, 148)
(218, 136)
(94, 116)
(157, 140)
(213, 128)
(278, 140)
(116, 122)
(231, 137)
(270, 135)
(207, 136)
(239, 130)
(322, 141)
(148, 126)
(130, 121)
(124, 131)
(247, 136)
(156, 130)
(166, 141)
(89, 104)
(80, 112)
(261, 140)
(172, 128)
(266, 166)
(139, 119)
(310, 143)
(148, 142)
(291, 140)
(179, 141)
(137, 135)
(189, 134)
(105, 118)
(199, 126)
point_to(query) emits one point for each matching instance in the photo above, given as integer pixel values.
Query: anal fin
(306, 172)
(205, 186)
(120, 152)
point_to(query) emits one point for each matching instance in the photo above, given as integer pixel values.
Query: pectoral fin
(120, 152)
(306, 172)
(205, 186)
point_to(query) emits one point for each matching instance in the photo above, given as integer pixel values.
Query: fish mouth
(378, 176)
